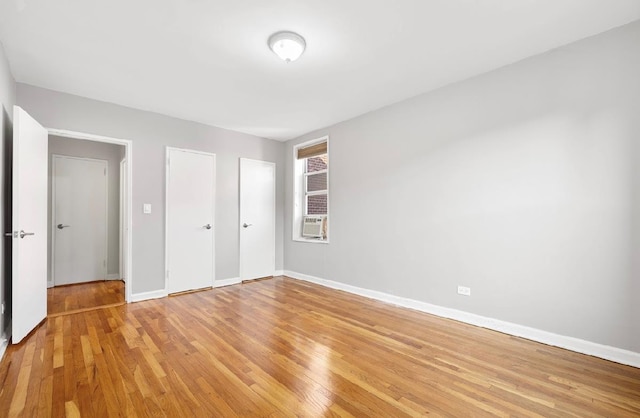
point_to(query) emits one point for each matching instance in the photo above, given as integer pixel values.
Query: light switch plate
(146, 208)
(463, 290)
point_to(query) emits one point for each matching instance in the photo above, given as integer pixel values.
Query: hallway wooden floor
(283, 347)
(84, 296)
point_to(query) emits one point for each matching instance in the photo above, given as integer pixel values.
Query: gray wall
(151, 133)
(7, 100)
(522, 183)
(102, 151)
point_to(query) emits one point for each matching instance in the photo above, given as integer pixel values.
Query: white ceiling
(208, 60)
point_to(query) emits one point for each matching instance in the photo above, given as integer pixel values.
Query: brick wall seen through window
(316, 185)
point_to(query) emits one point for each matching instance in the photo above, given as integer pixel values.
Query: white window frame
(300, 192)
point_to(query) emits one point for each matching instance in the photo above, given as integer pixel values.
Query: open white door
(190, 215)
(257, 218)
(29, 260)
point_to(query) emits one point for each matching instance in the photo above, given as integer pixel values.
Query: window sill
(312, 240)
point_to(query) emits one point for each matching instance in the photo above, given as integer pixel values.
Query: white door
(190, 215)
(79, 220)
(29, 222)
(257, 219)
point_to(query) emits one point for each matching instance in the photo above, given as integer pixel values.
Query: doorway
(113, 150)
(84, 224)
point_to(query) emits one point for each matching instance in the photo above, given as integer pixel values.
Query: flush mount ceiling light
(287, 45)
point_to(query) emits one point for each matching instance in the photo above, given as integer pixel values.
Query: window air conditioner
(312, 226)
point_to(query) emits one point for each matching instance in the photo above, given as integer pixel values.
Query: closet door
(257, 219)
(190, 212)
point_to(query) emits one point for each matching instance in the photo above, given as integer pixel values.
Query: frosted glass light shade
(287, 45)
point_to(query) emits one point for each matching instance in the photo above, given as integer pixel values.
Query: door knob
(246, 225)
(207, 226)
(24, 234)
(61, 226)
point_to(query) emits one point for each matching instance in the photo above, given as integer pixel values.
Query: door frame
(128, 154)
(53, 212)
(166, 211)
(123, 217)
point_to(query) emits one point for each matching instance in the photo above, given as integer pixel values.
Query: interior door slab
(190, 219)
(257, 218)
(29, 221)
(79, 224)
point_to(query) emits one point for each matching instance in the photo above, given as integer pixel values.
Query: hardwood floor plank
(31, 404)
(81, 297)
(20, 394)
(282, 347)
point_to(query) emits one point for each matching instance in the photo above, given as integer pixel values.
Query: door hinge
(167, 274)
(104, 263)
(105, 171)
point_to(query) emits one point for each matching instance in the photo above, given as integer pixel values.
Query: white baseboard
(3, 347)
(570, 343)
(278, 273)
(226, 282)
(155, 294)
(4, 340)
(113, 276)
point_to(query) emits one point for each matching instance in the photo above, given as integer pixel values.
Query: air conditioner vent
(312, 226)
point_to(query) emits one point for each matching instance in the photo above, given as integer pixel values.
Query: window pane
(317, 163)
(316, 182)
(317, 204)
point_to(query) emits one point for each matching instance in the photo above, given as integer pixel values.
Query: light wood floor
(283, 347)
(84, 296)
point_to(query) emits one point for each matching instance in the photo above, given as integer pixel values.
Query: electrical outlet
(463, 290)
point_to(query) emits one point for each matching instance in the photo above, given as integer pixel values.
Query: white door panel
(190, 217)
(29, 259)
(257, 218)
(79, 224)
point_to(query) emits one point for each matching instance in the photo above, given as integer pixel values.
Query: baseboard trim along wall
(4, 340)
(570, 343)
(226, 282)
(3, 346)
(278, 273)
(155, 294)
(113, 276)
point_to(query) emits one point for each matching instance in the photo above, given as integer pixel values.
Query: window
(315, 179)
(311, 189)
